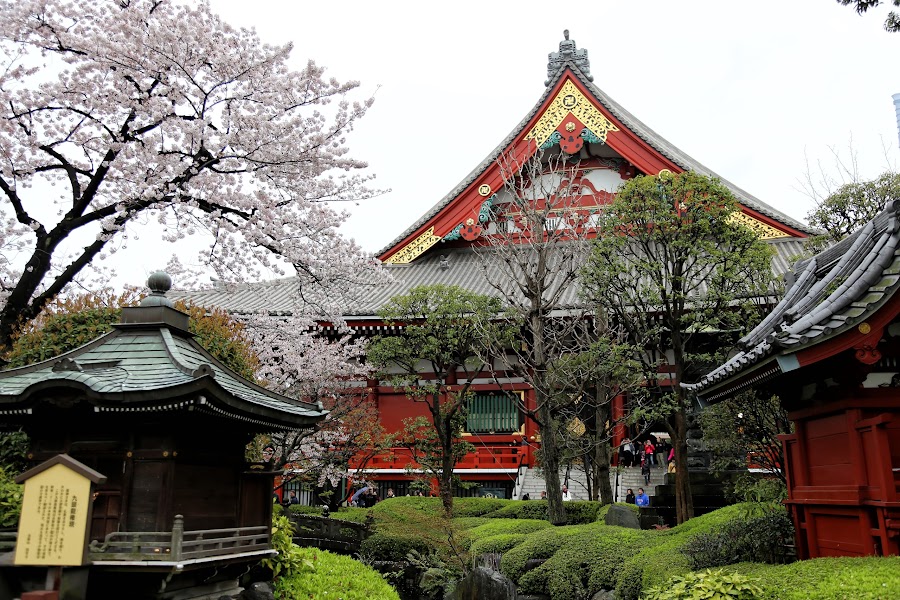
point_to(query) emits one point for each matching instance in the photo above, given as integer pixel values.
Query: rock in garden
(622, 516)
(258, 591)
(483, 584)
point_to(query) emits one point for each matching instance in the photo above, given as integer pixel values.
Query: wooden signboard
(56, 511)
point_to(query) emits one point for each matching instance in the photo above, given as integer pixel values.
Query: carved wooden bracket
(867, 348)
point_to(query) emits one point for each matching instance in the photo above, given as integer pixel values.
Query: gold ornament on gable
(413, 249)
(570, 100)
(766, 232)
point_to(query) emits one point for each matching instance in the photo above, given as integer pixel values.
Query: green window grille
(492, 413)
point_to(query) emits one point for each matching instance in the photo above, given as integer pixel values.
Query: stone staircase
(707, 490)
(533, 482)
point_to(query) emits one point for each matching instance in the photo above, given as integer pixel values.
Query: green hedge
(409, 523)
(541, 544)
(302, 509)
(351, 513)
(477, 507)
(393, 546)
(871, 578)
(327, 575)
(498, 544)
(578, 512)
(470, 523)
(582, 559)
(499, 526)
(588, 559)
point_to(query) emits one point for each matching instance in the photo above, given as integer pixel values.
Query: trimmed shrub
(657, 560)
(327, 575)
(497, 544)
(869, 578)
(392, 546)
(501, 526)
(470, 523)
(526, 509)
(406, 524)
(712, 585)
(541, 544)
(352, 513)
(761, 539)
(577, 512)
(587, 560)
(477, 507)
(301, 509)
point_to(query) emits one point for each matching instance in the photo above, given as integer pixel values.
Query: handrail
(334, 534)
(178, 544)
(520, 478)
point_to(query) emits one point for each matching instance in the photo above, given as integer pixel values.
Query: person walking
(645, 469)
(649, 450)
(626, 456)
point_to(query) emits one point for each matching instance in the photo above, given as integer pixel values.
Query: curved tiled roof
(831, 293)
(652, 138)
(463, 267)
(136, 367)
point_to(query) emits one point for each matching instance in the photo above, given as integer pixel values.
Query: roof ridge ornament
(159, 283)
(568, 53)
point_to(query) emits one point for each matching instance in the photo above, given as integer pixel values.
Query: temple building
(830, 350)
(600, 145)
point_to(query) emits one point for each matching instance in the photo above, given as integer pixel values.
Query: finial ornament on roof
(568, 53)
(159, 283)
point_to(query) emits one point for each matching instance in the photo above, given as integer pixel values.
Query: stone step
(627, 478)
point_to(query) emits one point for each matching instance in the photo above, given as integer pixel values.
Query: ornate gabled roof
(462, 266)
(568, 74)
(837, 294)
(151, 363)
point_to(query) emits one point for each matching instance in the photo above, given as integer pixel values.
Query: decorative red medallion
(570, 130)
(471, 230)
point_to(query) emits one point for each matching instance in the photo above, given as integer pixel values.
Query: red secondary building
(572, 118)
(831, 351)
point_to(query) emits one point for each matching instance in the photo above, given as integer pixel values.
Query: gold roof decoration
(766, 232)
(415, 248)
(570, 100)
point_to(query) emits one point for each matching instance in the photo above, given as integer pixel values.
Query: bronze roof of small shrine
(151, 363)
(831, 293)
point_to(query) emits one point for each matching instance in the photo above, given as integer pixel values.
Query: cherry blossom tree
(297, 360)
(113, 113)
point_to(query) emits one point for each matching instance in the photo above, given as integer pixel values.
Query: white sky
(750, 89)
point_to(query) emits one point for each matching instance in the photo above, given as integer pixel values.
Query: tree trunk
(602, 449)
(550, 464)
(445, 482)
(601, 469)
(684, 501)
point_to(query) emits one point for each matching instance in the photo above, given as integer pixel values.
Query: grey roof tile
(833, 291)
(465, 270)
(151, 363)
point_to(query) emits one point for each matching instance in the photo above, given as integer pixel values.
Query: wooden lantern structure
(167, 424)
(831, 352)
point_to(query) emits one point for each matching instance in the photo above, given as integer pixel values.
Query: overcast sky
(750, 89)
